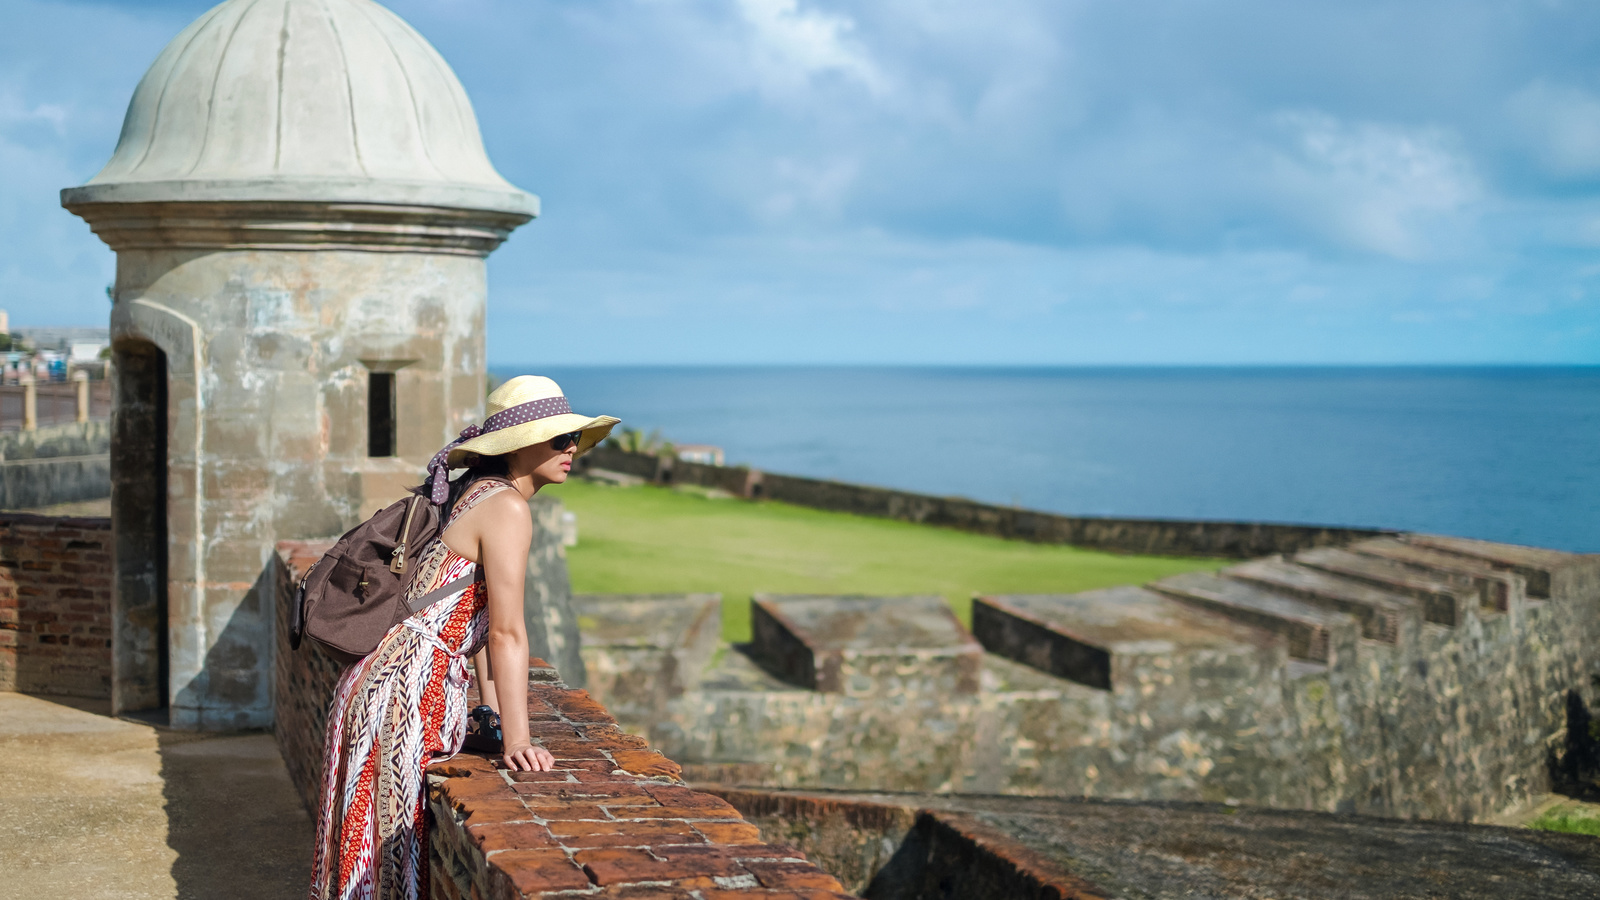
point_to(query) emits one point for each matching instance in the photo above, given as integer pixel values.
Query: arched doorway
(139, 526)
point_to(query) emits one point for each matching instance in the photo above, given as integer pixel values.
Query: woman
(406, 702)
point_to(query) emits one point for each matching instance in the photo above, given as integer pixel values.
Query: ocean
(1500, 453)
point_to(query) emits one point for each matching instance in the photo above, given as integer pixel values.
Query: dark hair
(477, 467)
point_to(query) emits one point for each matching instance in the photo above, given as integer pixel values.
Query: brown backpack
(351, 597)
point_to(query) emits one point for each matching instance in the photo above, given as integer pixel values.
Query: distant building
(86, 351)
(705, 454)
(61, 338)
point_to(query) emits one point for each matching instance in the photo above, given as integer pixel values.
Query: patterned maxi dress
(403, 704)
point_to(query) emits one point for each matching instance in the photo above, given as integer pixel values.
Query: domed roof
(305, 100)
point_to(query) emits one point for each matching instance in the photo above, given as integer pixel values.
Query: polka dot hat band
(527, 410)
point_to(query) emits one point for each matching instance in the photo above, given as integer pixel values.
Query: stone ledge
(612, 819)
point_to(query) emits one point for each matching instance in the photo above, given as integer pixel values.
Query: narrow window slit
(380, 414)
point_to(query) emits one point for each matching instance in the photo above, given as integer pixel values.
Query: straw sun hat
(527, 410)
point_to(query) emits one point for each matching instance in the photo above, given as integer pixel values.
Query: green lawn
(655, 540)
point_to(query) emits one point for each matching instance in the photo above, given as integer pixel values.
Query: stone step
(1445, 598)
(1537, 565)
(650, 621)
(1380, 612)
(641, 650)
(865, 645)
(1306, 626)
(1094, 638)
(1497, 586)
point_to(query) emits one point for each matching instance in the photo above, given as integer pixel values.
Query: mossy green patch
(654, 540)
(1572, 818)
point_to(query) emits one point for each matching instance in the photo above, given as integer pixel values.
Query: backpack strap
(474, 495)
(439, 593)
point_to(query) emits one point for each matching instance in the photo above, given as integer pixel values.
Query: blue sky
(996, 182)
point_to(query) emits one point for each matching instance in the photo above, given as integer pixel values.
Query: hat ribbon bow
(439, 470)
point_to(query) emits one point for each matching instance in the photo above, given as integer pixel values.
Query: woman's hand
(525, 757)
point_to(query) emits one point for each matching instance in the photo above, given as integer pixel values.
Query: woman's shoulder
(498, 503)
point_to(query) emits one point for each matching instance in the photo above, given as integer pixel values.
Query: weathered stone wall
(57, 464)
(267, 357)
(91, 438)
(547, 595)
(1203, 687)
(1169, 537)
(55, 606)
(33, 483)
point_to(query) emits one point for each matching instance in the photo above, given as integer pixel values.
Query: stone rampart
(55, 606)
(91, 438)
(1167, 537)
(1417, 677)
(58, 464)
(34, 483)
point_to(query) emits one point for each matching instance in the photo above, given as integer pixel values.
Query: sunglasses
(562, 441)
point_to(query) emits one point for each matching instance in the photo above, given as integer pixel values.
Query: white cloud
(1390, 189)
(15, 111)
(791, 45)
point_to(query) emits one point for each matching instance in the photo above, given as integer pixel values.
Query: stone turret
(301, 205)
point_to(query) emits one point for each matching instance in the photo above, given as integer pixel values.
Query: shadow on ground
(233, 818)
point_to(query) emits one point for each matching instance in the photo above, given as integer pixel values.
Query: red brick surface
(305, 679)
(611, 820)
(55, 605)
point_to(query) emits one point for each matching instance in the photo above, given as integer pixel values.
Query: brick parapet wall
(611, 820)
(303, 679)
(55, 606)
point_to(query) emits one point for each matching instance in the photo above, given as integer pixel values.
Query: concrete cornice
(279, 188)
(293, 225)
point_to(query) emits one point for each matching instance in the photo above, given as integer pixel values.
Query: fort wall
(1437, 689)
(56, 464)
(1166, 537)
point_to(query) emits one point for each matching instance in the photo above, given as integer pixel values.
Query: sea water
(1505, 454)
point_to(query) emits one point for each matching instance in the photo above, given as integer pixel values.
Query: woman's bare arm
(502, 531)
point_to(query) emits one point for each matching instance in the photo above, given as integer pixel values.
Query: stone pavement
(99, 807)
